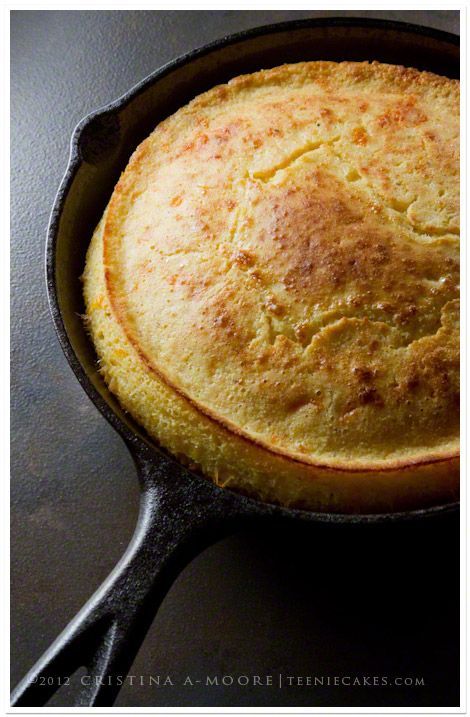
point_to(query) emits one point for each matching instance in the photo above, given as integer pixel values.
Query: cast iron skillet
(181, 512)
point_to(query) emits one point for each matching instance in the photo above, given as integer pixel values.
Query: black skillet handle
(179, 516)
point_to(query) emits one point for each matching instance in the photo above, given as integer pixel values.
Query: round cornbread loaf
(273, 289)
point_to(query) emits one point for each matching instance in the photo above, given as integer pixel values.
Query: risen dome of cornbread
(273, 288)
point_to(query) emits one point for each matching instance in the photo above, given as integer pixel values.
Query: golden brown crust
(283, 254)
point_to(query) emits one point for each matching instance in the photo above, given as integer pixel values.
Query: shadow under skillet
(321, 602)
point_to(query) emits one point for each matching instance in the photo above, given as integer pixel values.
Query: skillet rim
(137, 442)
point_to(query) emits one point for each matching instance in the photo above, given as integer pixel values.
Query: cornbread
(273, 288)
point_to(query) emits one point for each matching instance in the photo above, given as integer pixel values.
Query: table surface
(263, 602)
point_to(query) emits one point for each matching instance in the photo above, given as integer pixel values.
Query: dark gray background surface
(298, 602)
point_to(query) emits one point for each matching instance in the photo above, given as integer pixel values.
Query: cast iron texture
(180, 511)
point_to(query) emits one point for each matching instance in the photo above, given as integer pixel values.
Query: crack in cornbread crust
(369, 215)
(230, 460)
